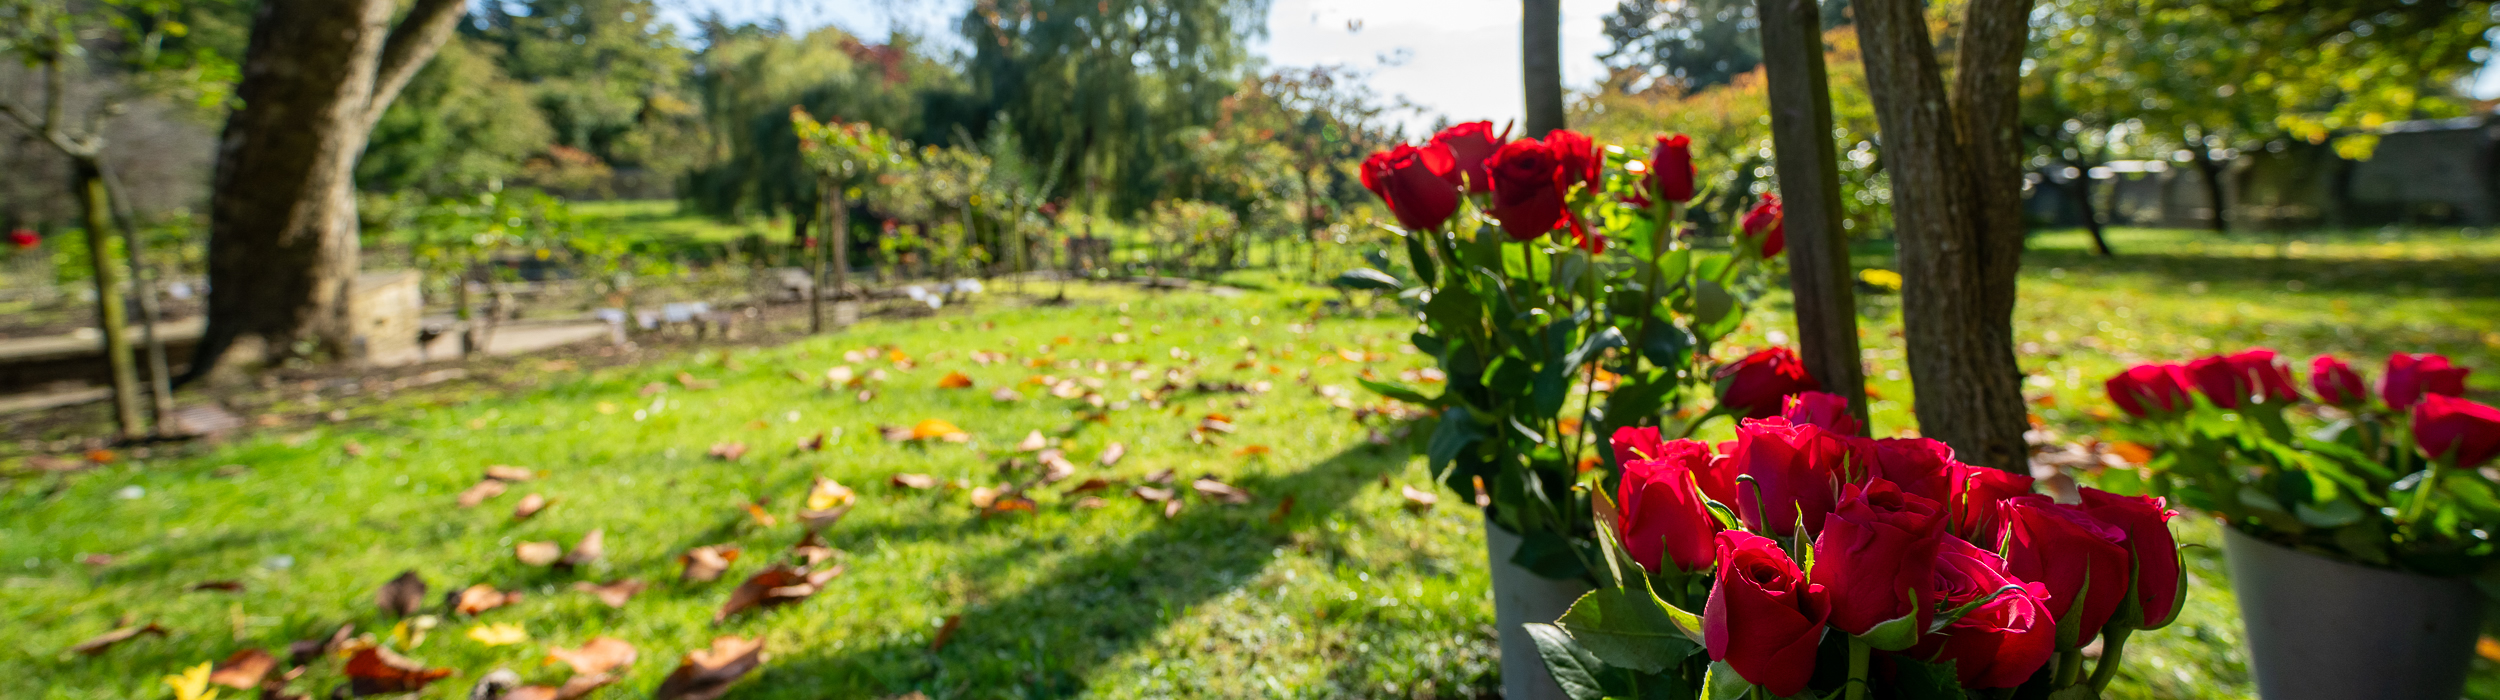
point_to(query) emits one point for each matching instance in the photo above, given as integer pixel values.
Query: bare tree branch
(424, 31)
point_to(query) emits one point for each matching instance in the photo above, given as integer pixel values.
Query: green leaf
(1598, 342)
(1552, 388)
(1421, 258)
(1920, 680)
(1456, 309)
(1548, 554)
(1715, 311)
(1628, 629)
(1895, 634)
(1567, 273)
(1687, 624)
(1395, 391)
(1457, 431)
(1365, 278)
(1573, 668)
(2078, 691)
(1508, 375)
(1722, 682)
(1673, 266)
(1666, 344)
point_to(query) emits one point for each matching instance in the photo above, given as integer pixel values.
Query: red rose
(1817, 408)
(2156, 390)
(2457, 429)
(2272, 380)
(1663, 518)
(2063, 547)
(23, 239)
(2411, 376)
(1876, 556)
(1419, 184)
(1717, 476)
(1527, 196)
(1920, 466)
(1469, 145)
(2336, 383)
(1977, 506)
(1671, 169)
(1754, 386)
(1764, 619)
(1575, 158)
(1764, 227)
(1719, 481)
(2146, 520)
(2220, 381)
(1791, 470)
(1637, 443)
(2000, 644)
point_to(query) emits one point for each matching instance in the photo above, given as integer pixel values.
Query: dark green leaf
(1627, 628)
(1421, 258)
(1457, 431)
(1573, 668)
(1666, 344)
(1365, 278)
(1920, 680)
(1455, 309)
(1396, 391)
(1548, 554)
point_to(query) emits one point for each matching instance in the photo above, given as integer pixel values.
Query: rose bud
(1922, 467)
(1876, 557)
(2411, 376)
(1527, 195)
(2464, 432)
(2151, 390)
(2062, 547)
(2146, 520)
(1763, 618)
(2336, 383)
(1753, 387)
(1419, 184)
(1671, 169)
(1575, 158)
(1663, 520)
(1827, 410)
(1791, 470)
(1764, 227)
(1999, 644)
(1469, 145)
(1977, 506)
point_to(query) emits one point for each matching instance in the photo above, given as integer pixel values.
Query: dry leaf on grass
(1151, 494)
(813, 443)
(867, 395)
(762, 517)
(498, 634)
(775, 586)
(946, 632)
(1284, 509)
(581, 684)
(501, 472)
(375, 670)
(483, 491)
(537, 553)
(812, 550)
(827, 502)
(894, 433)
(1417, 499)
(243, 670)
(954, 380)
(1055, 467)
(527, 692)
(1005, 395)
(592, 546)
(708, 562)
(1162, 476)
(614, 593)
(597, 656)
(529, 506)
(480, 598)
(1008, 503)
(1220, 491)
(226, 586)
(99, 643)
(1171, 508)
(402, 595)
(304, 651)
(984, 496)
(1089, 486)
(916, 482)
(706, 674)
(934, 429)
(1033, 441)
(1090, 503)
(729, 451)
(687, 380)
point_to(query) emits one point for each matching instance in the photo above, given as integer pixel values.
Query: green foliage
(461, 126)
(750, 77)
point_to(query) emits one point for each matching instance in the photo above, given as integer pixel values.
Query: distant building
(2428, 172)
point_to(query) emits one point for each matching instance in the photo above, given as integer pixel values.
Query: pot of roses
(2357, 520)
(1803, 561)
(1561, 299)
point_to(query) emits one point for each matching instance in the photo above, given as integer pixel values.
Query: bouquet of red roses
(2387, 479)
(1799, 558)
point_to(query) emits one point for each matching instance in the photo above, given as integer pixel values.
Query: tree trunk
(112, 319)
(1957, 215)
(2212, 172)
(143, 286)
(1540, 53)
(1808, 163)
(838, 235)
(815, 261)
(282, 237)
(2081, 187)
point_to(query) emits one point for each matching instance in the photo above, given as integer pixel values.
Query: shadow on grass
(1048, 638)
(2463, 277)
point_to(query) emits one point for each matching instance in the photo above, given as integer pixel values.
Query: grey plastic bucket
(2328, 630)
(1521, 597)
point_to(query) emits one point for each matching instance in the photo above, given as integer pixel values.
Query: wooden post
(838, 235)
(815, 267)
(111, 316)
(1809, 178)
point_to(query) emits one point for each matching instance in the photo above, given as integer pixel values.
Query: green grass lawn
(1348, 593)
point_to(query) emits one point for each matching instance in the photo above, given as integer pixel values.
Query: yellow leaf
(193, 683)
(498, 634)
(934, 428)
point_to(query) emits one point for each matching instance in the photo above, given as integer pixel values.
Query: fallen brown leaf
(983, 496)
(1112, 453)
(811, 550)
(353, 448)
(1008, 503)
(581, 684)
(527, 692)
(867, 395)
(529, 506)
(1220, 491)
(729, 451)
(1163, 476)
(1417, 499)
(592, 546)
(402, 595)
(708, 562)
(537, 553)
(775, 586)
(1251, 451)
(1284, 509)
(1171, 508)
(954, 380)
(894, 433)
(917, 482)
(501, 472)
(228, 586)
(99, 643)
(1033, 442)
(706, 674)
(687, 380)
(762, 517)
(375, 670)
(614, 593)
(597, 656)
(1090, 503)
(482, 492)
(304, 651)
(813, 443)
(243, 670)
(1005, 395)
(946, 632)
(480, 598)
(1151, 494)
(1089, 486)
(1055, 467)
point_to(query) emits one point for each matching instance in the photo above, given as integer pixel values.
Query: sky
(1457, 59)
